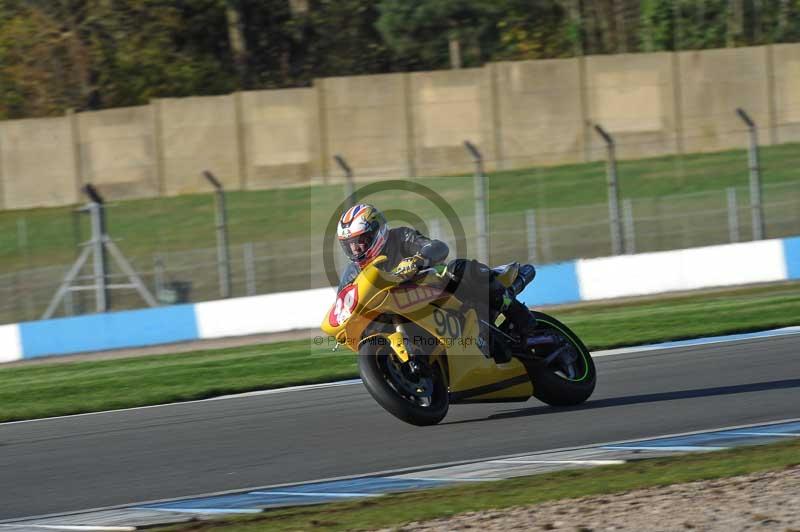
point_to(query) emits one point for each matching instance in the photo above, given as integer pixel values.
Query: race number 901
(447, 324)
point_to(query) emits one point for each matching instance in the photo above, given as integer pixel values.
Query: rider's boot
(520, 317)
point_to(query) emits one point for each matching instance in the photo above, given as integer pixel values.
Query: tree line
(92, 54)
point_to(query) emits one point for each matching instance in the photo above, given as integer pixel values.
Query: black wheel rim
(417, 390)
(568, 359)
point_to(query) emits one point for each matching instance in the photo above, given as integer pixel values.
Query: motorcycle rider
(363, 234)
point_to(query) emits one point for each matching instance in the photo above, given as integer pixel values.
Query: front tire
(559, 383)
(384, 379)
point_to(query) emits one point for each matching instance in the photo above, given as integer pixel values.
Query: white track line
(78, 527)
(789, 434)
(454, 479)
(406, 471)
(272, 391)
(289, 389)
(578, 462)
(204, 511)
(669, 448)
(310, 494)
(645, 349)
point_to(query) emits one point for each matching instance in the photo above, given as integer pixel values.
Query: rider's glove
(409, 266)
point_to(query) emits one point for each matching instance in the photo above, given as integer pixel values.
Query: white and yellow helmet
(362, 232)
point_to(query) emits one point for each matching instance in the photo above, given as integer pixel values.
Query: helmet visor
(357, 247)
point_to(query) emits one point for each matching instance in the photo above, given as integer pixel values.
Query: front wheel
(419, 398)
(564, 372)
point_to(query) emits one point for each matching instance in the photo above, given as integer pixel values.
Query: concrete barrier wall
(38, 163)
(198, 134)
(447, 108)
(366, 119)
(633, 96)
(582, 280)
(118, 152)
(281, 134)
(713, 84)
(520, 114)
(541, 113)
(786, 91)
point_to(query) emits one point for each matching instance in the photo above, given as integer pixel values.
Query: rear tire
(384, 386)
(550, 384)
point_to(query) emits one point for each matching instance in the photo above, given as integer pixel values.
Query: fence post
(75, 140)
(630, 231)
(22, 239)
(223, 252)
(98, 220)
(530, 232)
(435, 229)
(159, 274)
(158, 147)
(3, 202)
(249, 268)
(241, 140)
(614, 214)
(23, 246)
(756, 206)
(733, 215)
(481, 223)
(69, 304)
(350, 188)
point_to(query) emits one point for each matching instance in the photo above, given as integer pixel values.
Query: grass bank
(44, 237)
(44, 390)
(395, 510)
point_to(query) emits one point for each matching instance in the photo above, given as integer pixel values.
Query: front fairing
(371, 290)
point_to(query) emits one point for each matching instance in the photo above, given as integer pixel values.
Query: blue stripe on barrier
(113, 330)
(791, 253)
(554, 284)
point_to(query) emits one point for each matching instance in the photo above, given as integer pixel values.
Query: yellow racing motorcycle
(421, 349)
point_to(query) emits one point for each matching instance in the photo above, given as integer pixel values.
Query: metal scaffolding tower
(99, 247)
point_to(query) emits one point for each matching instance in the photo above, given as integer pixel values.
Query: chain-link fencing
(542, 235)
(540, 214)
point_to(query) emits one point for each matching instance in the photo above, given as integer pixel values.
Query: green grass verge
(685, 316)
(76, 387)
(44, 390)
(148, 226)
(395, 510)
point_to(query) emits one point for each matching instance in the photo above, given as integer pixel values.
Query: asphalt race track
(81, 462)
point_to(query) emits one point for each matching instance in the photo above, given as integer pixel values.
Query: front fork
(415, 367)
(397, 340)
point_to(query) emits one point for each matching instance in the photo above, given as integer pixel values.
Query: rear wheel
(417, 397)
(563, 373)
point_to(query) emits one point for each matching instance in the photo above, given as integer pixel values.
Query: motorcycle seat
(506, 273)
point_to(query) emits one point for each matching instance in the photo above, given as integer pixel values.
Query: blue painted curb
(113, 330)
(791, 252)
(554, 284)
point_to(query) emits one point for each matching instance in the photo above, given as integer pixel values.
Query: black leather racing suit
(470, 280)
(402, 242)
